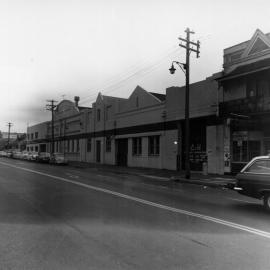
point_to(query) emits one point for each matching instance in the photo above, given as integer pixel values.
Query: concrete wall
(203, 98)
(214, 147)
(169, 147)
(41, 128)
(140, 116)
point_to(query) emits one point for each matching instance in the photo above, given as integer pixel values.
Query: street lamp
(181, 65)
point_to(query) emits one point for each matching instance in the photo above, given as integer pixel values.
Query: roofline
(241, 43)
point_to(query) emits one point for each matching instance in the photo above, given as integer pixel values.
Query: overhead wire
(129, 76)
(135, 70)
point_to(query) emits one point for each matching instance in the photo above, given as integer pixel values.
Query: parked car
(9, 153)
(58, 158)
(25, 155)
(17, 154)
(254, 180)
(3, 153)
(44, 157)
(33, 156)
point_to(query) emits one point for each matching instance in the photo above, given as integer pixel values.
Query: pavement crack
(194, 241)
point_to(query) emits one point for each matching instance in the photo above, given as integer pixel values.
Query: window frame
(137, 146)
(108, 145)
(154, 145)
(89, 145)
(98, 115)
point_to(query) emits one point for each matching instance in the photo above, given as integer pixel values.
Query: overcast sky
(51, 48)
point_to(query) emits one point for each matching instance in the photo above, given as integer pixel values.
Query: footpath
(162, 177)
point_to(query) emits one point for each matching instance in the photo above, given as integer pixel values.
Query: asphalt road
(54, 217)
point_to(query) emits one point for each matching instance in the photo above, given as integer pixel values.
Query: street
(62, 217)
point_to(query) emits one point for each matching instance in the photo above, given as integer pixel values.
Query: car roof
(254, 159)
(261, 157)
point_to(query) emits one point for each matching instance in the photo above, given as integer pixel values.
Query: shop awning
(246, 69)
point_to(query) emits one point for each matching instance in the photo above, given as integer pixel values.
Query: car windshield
(260, 166)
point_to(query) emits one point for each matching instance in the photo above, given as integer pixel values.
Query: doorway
(121, 152)
(98, 151)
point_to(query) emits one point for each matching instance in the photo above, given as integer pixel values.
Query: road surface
(60, 217)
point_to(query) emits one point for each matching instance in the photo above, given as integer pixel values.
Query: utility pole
(50, 107)
(9, 126)
(189, 46)
(189, 49)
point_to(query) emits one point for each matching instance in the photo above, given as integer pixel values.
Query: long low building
(144, 130)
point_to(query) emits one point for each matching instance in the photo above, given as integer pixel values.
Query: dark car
(254, 180)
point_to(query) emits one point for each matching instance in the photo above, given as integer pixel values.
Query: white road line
(157, 205)
(155, 177)
(233, 199)
(225, 179)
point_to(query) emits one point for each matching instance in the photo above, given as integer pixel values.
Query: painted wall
(215, 150)
(144, 160)
(203, 98)
(169, 149)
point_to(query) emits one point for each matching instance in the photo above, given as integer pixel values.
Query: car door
(255, 178)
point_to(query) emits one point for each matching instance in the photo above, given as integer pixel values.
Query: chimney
(76, 100)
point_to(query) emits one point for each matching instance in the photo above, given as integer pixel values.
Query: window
(258, 86)
(263, 88)
(32, 136)
(89, 144)
(136, 146)
(98, 114)
(72, 146)
(78, 145)
(108, 144)
(108, 112)
(36, 148)
(36, 135)
(243, 151)
(28, 136)
(259, 166)
(153, 145)
(137, 102)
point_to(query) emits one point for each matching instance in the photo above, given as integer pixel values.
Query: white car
(33, 156)
(3, 153)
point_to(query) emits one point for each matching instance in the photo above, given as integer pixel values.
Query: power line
(140, 72)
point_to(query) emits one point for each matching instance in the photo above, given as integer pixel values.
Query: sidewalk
(162, 177)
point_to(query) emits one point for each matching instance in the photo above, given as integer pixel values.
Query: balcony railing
(251, 105)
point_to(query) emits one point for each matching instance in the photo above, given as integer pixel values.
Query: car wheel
(266, 201)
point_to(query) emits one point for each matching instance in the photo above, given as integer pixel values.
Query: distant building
(12, 136)
(15, 140)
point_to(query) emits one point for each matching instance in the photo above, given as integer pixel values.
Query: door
(98, 151)
(122, 152)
